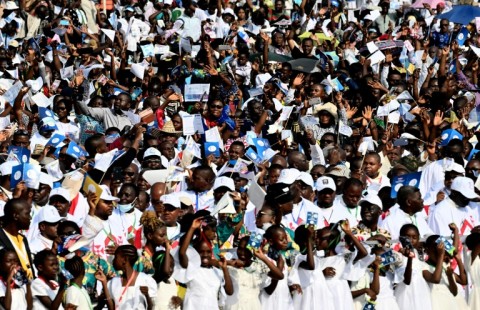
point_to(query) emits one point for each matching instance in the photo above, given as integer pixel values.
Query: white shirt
(447, 212)
(78, 296)
(69, 130)
(40, 243)
(298, 216)
(173, 232)
(397, 218)
(135, 29)
(205, 200)
(354, 213)
(332, 215)
(40, 288)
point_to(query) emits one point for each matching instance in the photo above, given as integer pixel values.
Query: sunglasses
(216, 107)
(130, 174)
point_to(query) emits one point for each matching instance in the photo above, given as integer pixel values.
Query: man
(371, 209)
(16, 218)
(48, 219)
(374, 179)
(328, 213)
(472, 170)
(455, 209)
(187, 26)
(116, 117)
(442, 189)
(171, 211)
(411, 205)
(152, 159)
(298, 161)
(156, 192)
(442, 38)
(352, 192)
(38, 198)
(200, 187)
(125, 215)
(132, 28)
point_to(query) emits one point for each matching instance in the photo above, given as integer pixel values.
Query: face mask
(124, 208)
(476, 173)
(232, 162)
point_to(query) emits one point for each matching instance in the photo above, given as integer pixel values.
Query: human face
(286, 207)
(352, 196)
(472, 169)
(122, 102)
(306, 191)
(23, 216)
(50, 268)
(307, 46)
(370, 212)
(143, 185)
(412, 234)
(273, 176)
(325, 198)
(394, 79)
(279, 240)
(317, 91)
(177, 122)
(205, 254)
(104, 208)
(321, 240)
(10, 260)
(61, 110)
(243, 253)
(159, 237)
(60, 203)
(126, 195)
(216, 108)
(130, 174)
(371, 166)
(416, 202)
(444, 24)
(41, 194)
(167, 150)
(264, 216)
(21, 141)
(49, 230)
(201, 181)
(153, 162)
(170, 215)
(317, 172)
(326, 140)
(67, 231)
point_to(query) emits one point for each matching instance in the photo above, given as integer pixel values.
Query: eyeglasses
(60, 108)
(130, 174)
(21, 132)
(216, 107)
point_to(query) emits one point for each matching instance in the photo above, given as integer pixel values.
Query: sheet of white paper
(408, 46)
(194, 92)
(109, 33)
(274, 128)
(41, 100)
(66, 73)
(138, 70)
(286, 111)
(12, 92)
(256, 195)
(36, 85)
(286, 134)
(405, 95)
(376, 57)
(394, 117)
(188, 126)
(161, 49)
(345, 129)
(103, 161)
(213, 135)
(372, 47)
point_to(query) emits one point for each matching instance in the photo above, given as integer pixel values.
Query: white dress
(247, 285)
(40, 288)
(19, 302)
(442, 298)
(412, 296)
(474, 272)
(165, 292)
(133, 297)
(78, 297)
(280, 299)
(204, 285)
(315, 293)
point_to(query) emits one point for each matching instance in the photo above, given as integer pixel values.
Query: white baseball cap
(224, 182)
(464, 186)
(60, 191)
(455, 167)
(325, 183)
(151, 151)
(171, 199)
(46, 179)
(49, 214)
(106, 194)
(372, 199)
(288, 176)
(306, 178)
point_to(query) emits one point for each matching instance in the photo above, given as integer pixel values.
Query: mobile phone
(312, 218)
(136, 92)
(117, 174)
(20, 277)
(387, 258)
(449, 248)
(406, 243)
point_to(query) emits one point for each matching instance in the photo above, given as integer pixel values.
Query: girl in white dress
(133, 289)
(411, 286)
(13, 295)
(308, 273)
(250, 276)
(339, 268)
(194, 267)
(47, 293)
(277, 295)
(473, 267)
(441, 278)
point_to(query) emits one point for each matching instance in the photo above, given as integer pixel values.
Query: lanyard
(356, 211)
(89, 302)
(196, 203)
(126, 287)
(299, 212)
(413, 218)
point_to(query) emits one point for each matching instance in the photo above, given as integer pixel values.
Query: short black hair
(41, 256)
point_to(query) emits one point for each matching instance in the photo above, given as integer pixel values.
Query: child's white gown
(315, 293)
(442, 298)
(474, 272)
(280, 298)
(412, 296)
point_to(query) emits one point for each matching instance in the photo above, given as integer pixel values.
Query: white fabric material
(133, 298)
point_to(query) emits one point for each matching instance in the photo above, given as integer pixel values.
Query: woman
(155, 231)
(69, 129)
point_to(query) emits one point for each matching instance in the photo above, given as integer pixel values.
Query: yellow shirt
(21, 253)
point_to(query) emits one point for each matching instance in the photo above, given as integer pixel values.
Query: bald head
(157, 191)
(279, 160)
(298, 160)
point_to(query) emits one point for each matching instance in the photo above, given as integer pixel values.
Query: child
(277, 294)
(265, 218)
(76, 295)
(339, 268)
(473, 265)
(13, 295)
(251, 275)
(194, 268)
(308, 273)
(411, 286)
(443, 282)
(47, 293)
(132, 290)
(155, 231)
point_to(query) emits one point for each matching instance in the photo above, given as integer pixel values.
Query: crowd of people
(258, 154)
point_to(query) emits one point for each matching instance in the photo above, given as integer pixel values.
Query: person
(194, 265)
(471, 262)
(328, 213)
(374, 179)
(308, 274)
(46, 291)
(349, 201)
(371, 209)
(48, 219)
(411, 285)
(155, 231)
(133, 289)
(13, 294)
(411, 204)
(16, 218)
(125, 216)
(171, 211)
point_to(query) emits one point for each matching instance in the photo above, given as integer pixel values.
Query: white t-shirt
(78, 297)
(132, 297)
(19, 302)
(40, 288)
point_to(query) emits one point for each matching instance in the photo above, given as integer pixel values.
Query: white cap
(11, 5)
(106, 194)
(372, 199)
(151, 151)
(456, 167)
(224, 181)
(6, 167)
(288, 176)
(171, 199)
(182, 196)
(46, 179)
(229, 11)
(464, 186)
(324, 183)
(306, 178)
(60, 191)
(49, 214)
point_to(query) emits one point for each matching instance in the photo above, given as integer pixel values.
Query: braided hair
(129, 251)
(75, 266)
(151, 222)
